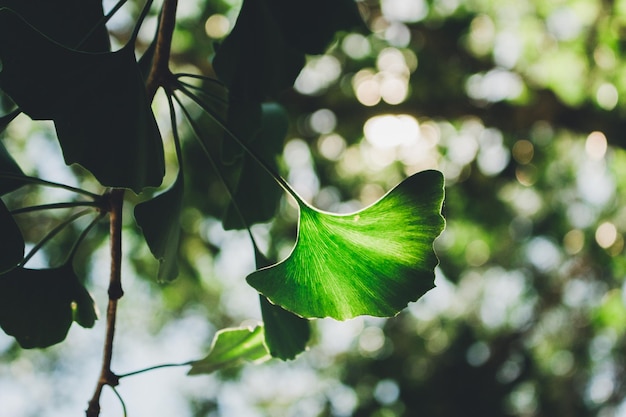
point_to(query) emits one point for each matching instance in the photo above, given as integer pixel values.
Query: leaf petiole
(71, 204)
(152, 368)
(51, 234)
(38, 181)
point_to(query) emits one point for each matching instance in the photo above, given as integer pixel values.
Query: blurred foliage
(520, 105)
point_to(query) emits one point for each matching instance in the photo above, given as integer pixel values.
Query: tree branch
(156, 78)
(160, 64)
(107, 377)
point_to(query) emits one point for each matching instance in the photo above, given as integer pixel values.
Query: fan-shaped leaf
(159, 219)
(37, 306)
(97, 101)
(373, 262)
(79, 18)
(11, 241)
(232, 347)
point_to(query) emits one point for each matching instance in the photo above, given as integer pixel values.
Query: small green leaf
(97, 101)
(373, 262)
(257, 194)
(37, 305)
(232, 347)
(159, 219)
(8, 166)
(11, 241)
(286, 335)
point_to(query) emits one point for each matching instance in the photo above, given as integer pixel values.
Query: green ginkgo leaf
(159, 219)
(232, 347)
(11, 240)
(372, 262)
(37, 306)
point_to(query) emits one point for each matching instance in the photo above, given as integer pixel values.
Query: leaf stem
(151, 368)
(142, 16)
(52, 234)
(38, 181)
(70, 204)
(101, 22)
(122, 403)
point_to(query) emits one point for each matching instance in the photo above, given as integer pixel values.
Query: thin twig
(107, 377)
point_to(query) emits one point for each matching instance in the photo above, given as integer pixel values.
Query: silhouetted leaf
(257, 194)
(372, 262)
(11, 240)
(159, 219)
(37, 305)
(286, 335)
(8, 166)
(311, 26)
(97, 101)
(78, 17)
(232, 347)
(255, 60)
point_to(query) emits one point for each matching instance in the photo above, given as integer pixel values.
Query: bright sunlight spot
(217, 26)
(596, 145)
(387, 131)
(606, 235)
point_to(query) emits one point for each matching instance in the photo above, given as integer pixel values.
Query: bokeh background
(518, 102)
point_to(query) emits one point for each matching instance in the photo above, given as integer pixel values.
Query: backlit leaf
(97, 101)
(372, 262)
(159, 219)
(11, 241)
(37, 305)
(232, 347)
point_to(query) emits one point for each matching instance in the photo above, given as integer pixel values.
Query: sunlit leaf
(373, 262)
(97, 101)
(11, 240)
(232, 347)
(257, 194)
(159, 219)
(8, 166)
(37, 305)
